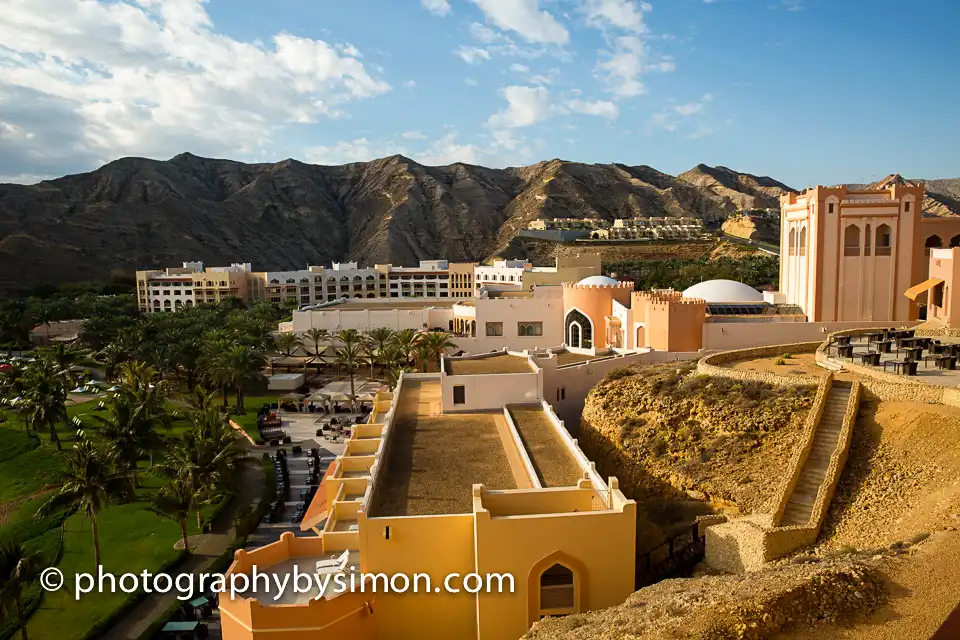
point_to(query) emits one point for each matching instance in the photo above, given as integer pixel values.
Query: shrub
(779, 361)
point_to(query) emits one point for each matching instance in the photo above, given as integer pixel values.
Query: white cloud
(414, 135)
(525, 106)
(472, 55)
(436, 7)
(516, 67)
(619, 14)
(470, 82)
(347, 151)
(154, 78)
(623, 67)
(692, 108)
(447, 150)
(602, 108)
(483, 33)
(526, 18)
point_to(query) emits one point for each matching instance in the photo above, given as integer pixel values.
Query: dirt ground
(923, 587)
(801, 364)
(902, 476)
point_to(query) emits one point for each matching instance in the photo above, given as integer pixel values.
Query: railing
(684, 551)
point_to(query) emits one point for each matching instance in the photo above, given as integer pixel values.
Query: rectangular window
(830, 208)
(529, 329)
(494, 329)
(459, 394)
(906, 206)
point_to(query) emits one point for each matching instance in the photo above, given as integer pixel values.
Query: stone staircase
(799, 509)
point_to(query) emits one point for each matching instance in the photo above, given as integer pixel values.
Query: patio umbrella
(336, 396)
(79, 390)
(366, 397)
(114, 388)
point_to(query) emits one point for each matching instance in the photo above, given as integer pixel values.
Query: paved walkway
(214, 544)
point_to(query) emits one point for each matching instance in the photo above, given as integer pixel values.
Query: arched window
(317, 279)
(274, 281)
(933, 242)
(884, 244)
(793, 242)
(557, 591)
(851, 240)
(802, 244)
(866, 241)
(370, 278)
(291, 281)
(578, 330)
(357, 279)
(305, 280)
(331, 280)
(955, 241)
(344, 279)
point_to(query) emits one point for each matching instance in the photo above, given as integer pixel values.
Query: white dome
(723, 291)
(599, 281)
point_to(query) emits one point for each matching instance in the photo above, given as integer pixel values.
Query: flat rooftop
(390, 303)
(566, 357)
(503, 363)
(551, 458)
(434, 460)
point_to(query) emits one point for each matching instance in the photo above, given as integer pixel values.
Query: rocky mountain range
(140, 213)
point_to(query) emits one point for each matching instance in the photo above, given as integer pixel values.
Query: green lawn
(249, 419)
(132, 538)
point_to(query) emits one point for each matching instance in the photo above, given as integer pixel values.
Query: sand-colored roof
(551, 458)
(435, 460)
(503, 363)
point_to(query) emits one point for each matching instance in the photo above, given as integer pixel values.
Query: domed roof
(723, 291)
(599, 281)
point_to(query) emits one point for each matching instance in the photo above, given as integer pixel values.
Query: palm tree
(404, 340)
(131, 425)
(368, 353)
(394, 373)
(421, 355)
(380, 338)
(44, 400)
(136, 375)
(349, 336)
(241, 365)
(317, 337)
(350, 359)
(212, 363)
(437, 342)
(206, 455)
(88, 481)
(287, 342)
(174, 501)
(17, 567)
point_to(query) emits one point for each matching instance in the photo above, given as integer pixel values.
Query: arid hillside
(139, 213)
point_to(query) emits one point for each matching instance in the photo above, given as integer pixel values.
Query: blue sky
(806, 91)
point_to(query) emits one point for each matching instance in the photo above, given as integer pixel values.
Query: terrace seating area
(901, 352)
(278, 510)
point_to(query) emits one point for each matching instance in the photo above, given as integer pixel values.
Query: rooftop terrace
(503, 363)
(434, 460)
(552, 460)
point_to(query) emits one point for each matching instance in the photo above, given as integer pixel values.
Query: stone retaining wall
(711, 365)
(747, 543)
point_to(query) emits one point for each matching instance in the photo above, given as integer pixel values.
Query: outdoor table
(186, 629)
(870, 357)
(914, 353)
(902, 366)
(875, 337)
(843, 340)
(845, 350)
(947, 362)
(883, 346)
(200, 606)
(937, 349)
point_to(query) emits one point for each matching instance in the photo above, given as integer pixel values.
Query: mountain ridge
(135, 213)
